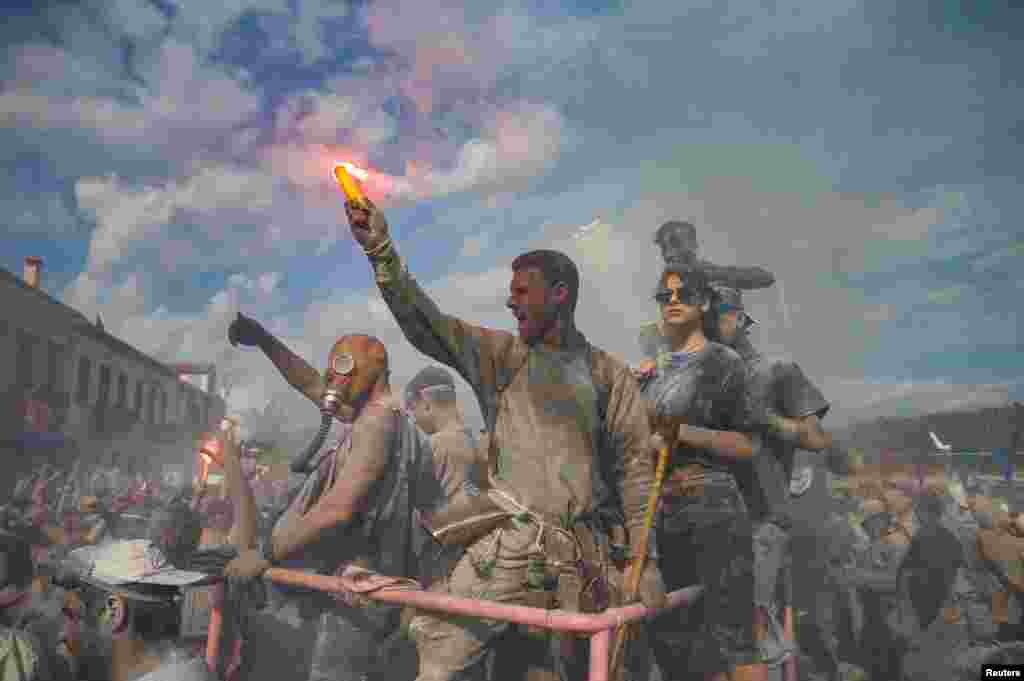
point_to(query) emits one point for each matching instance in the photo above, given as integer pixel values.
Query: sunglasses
(686, 296)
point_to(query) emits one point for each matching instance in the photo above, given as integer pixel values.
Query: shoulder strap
(519, 354)
(603, 391)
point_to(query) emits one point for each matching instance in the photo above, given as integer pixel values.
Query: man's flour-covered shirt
(459, 463)
(554, 450)
(778, 387)
(383, 535)
(460, 469)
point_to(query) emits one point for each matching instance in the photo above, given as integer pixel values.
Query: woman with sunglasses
(697, 390)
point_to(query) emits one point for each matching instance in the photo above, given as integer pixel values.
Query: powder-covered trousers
(770, 546)
(706, 538)
(451, 647)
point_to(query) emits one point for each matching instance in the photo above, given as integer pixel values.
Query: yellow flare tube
(349, 185)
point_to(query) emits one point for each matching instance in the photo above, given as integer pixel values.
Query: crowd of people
(850, 570)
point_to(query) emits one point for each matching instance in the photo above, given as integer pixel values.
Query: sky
(171, 162)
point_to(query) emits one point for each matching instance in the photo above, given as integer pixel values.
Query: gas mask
(352, 371)
(341, 365)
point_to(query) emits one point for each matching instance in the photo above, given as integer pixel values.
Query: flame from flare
(354, 170)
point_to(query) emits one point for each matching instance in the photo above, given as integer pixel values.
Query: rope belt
(521, 512)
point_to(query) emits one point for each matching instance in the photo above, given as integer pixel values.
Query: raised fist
(247, 331)
(368, 225)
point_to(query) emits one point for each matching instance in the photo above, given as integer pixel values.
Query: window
(55, 355)
(122, 390)
(163, 406)
(138, 397)
(84, 377)
(103, 398)
(151, 411)
(23, 359)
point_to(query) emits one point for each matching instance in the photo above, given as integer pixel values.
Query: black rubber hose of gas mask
(301, 463)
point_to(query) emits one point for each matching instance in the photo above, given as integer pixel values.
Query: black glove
(246, 331)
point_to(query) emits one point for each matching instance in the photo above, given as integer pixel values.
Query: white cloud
(124, 216)
(265, 283)
(184, 105)
(127, 216)
(518, 145)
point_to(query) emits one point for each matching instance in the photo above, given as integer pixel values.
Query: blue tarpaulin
(34, 440)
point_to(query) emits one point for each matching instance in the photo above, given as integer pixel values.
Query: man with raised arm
(357, 507)
(568, 431)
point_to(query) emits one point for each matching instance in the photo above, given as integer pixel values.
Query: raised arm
(299, 374)
(469, 349)
(802, 408)
(244, 529)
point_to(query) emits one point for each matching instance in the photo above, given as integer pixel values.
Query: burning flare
(210, 451)
(345, 174)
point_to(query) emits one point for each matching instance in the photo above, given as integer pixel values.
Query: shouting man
(568, 430)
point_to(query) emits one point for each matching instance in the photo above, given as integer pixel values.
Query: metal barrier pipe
(213, 635)
(598, 625)
(600, 646)
(558, 620)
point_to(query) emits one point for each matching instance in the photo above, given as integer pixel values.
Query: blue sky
(170, 162)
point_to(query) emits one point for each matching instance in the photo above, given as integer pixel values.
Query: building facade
(69, 389)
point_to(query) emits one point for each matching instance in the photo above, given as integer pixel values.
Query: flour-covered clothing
(569, 434)
(778, 388)
(705, 535)
(383, 537)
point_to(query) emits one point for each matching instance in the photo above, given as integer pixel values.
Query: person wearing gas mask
(791, 406)
(568, 430)
(356, 509)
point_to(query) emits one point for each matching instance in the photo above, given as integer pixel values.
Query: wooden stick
(617, 665)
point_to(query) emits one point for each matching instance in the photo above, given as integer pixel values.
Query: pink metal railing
(599, 626)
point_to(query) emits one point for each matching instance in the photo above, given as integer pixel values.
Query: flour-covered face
(681, 303)
(354, 365)
(535, 303)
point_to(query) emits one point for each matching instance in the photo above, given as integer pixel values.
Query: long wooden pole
(632, 585)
